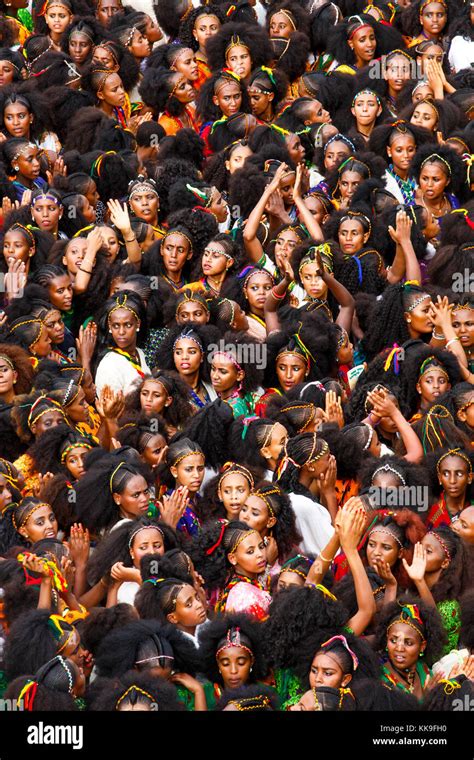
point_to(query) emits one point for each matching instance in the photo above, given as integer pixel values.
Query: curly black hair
(130, 689)
(206, 109)
(213, 636)
(432, 630)
(445, 159)
(220, 537)
(250, 36)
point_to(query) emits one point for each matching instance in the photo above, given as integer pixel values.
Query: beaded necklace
(407, 186)
(130, 359)
(223, 596)
(174, 285)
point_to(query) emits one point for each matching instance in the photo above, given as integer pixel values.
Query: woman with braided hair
(239, 48)
(182, 472)
(225, 495)
(170, 95)
(222, 96)
(58, 685)
(257, 442)
(162, 393)
(231, 558)
(123, 362)
(267, 89)
(304, 464)
(147, 435)
(451, 475)
(197, 27)
(134, 692)
(32, 520)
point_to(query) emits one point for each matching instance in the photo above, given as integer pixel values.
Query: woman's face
(312, 281)
(46, 214)
(366, 109)
(103, 58)
(189, 611)
(277, 440)
(349, 181)
(234, 665)
(403, 646)
(397, 73)
(113, 91)
(316, 208)
(15, 246)
(153, 451)
(257, 289)
(363, 43)
(218, 207)
(204, 27)
(463, 326)
(256, 514)
(454, 475)
(186, 65)
(250, 554)
(6, 496)
(74, 254)
(464, 526)
(280, 26)
(192, 311)
(420, 320)
(401, 151)
(286, 189)
(351, 236)
(233, 491)
(47, 421)
(55, 326)
(295, 148)
(8, 378)
(123, 326)
(424, 92)
(41, 524)
(42, 347)
(106, 9)
(326, 670)
(436, 558)
(287, 579)
(187, 357)
(78, 410)
(7, 73)
(335, 154)
(57, 19)
(382, 547)
(238, 60)
(285, 244)
(432, 384)
(17, 120)
(228, 98)
(291, 370)
(153, 32)
(139, 46)
(425, 116)
(87, 210)
(28, 163)
(134, 499)
(433, 19)
(237, 158)
(189, 472)
(214, 260)
(145, 205)
(153, 397)
(175, 252)
(224, 375)
(259, 101)
(433, 181)
(75, 462)
(182, 89)
(111, 243)
(147, 541)
(60, 292)
(80, 46)
(433, 52)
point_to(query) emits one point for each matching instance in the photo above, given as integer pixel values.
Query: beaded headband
(259, 702)
(224, 79)
(8, 361)
(22, 228)
(56, 407)
(239, 470)
(428, 2)
(188, 454)
(357, 160)
(428, 102)
(121, 303)
(233, 639)
(410, 615)
(263, 496)
(339, 138)
(423, 83)
(357, 216)
(187, 335)
(207, 249)
(27, 515)
(431, 361)
(343, 640)
(235, 41)
(136, 688)
(457, 453)
(23, 150)
(139, 530)
(371, 435)
(388, 532)
(143, 187)
(177, 232)
(361, 25)
(179, 54)
(128, 41)
(442, 542)
(230, 357)
(287, 15)
(72, 446)
(241, 538)
(113, 476)
(253, 272)
(389, 468)
(178, 83)
(105, 44)
(417, 301)
(46, 197)
(83, 32)
(54, 4)
(436, 157)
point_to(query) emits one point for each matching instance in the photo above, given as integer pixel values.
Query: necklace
(444, 208)
(407, 186)
(174, 285)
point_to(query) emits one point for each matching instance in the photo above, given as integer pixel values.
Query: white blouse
(117, 372)
(313, 522)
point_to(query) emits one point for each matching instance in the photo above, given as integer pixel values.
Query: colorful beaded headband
(264, 497)
(417, 301)
(436, 157)
(241, 538)
(136, 688)
(189, 336)
(457, 453)
(139, 530)
(207, 249)
(27, 515)
(23, 150)
(442, 543)
(72, 446)
(428, 2)
(188, 454)
(233, 639)
(431, 361)
(143, 187)
(259, 702)
(227, 469)
(343, 640)
(121, 303)
(57, 407)
(235, 41)
(18, 226)
(225, 78)
(410, 615)
(388, 532)
(339, 138)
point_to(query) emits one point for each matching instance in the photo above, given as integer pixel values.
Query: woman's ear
(271, 522)
(174, 471)
(232, 559)
(169, 401)
(418, 388)
(347, 679)
(171, 618)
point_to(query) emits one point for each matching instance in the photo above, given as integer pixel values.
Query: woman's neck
(215, 281)
(431, 579)
(192, 380)
(8, 396)
(191, 629)
(131, 349)
(402, 173)
(306, 479)
(56, 39)
(454, 504)
(106, 108)
(229, 393)
(267, 115)
(24, 181)
(257, 311)
(238, 570)
(365, 129)
(175, 276)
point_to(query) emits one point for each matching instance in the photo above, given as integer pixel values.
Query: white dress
(313, 522)
(117, 372)
(461, 53)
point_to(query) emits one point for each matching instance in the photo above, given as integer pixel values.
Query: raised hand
(417, 569)
(172, 507)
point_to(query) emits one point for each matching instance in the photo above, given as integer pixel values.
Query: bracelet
(453, 340)
(324, 558)
(438, 337)
(130, 241)
(275, 295)
(85, 270)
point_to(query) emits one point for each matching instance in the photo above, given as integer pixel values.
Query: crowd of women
(236, 355)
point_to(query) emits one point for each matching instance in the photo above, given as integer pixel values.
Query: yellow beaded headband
(239, 470)
(428, 102)
(454, 453)
(251, 703)
(121, 303)
(188, 454)
(28, 514)
(138, 690)
(264, 497)
(177, 232)
(235, 41)
(241, 538)
(436, 157)
(287, 15)
(113, 476)
(8, 361)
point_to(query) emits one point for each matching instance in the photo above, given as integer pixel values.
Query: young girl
(184, 465)
(454, 475)
(226, 494)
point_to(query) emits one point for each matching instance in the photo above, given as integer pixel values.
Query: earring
(421, 654)
(409, 320)
(16, 168)
(138, 329)
(110, 330)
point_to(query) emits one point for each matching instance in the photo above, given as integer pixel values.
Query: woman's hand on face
(416, 571)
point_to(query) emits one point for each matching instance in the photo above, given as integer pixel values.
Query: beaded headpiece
(139, 530)
(234, 639)
(456, 453)
(388, 468)
(121, 303)
(436, 157)
(441, 542)
(410, 615)
(431, 362)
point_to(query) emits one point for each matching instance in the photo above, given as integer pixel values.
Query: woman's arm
(274, 299)
(343, 297)
(119, 216)
(417, 571)
(252, 244)
(385, 407)
(352, 522)
(405, 262)
(304, 214)
(83, 276)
